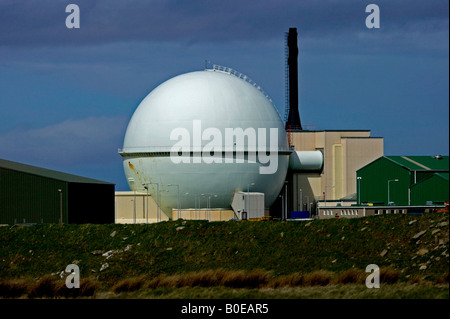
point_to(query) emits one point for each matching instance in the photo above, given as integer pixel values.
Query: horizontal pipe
(306, 161)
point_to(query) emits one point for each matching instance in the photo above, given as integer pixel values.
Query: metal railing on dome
(242, 76)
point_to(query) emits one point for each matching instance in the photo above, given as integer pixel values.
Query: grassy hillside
(411, 249)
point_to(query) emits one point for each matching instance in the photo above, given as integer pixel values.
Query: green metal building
(404, 180)
(30, 194)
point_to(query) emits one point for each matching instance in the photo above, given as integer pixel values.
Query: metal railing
(242, 76)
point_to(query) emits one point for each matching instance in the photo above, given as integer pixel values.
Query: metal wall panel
(374, 183)
(28, 198)
(434, 189)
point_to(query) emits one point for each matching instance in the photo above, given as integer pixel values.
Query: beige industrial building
(344, 151)
(131, 208)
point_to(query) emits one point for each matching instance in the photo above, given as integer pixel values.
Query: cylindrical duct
(306, 161)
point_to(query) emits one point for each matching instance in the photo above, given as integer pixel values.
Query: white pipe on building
(306, 161)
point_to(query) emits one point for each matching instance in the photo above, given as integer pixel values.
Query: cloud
(89, 140)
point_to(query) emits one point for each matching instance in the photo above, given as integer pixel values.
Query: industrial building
(131, 208)
(136, 207)
(395, 185)
(344, 152)
(404, 180)
(35, 195)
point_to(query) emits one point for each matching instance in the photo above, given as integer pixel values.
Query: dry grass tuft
(242, 279)
(210, 278)
(205, 278)
(13, 288)
(44, 287)
(318, 278)
(53, 287)
(443, 279)
(389, 276)
(351, 276)
(292, 280)
(129, 284)
(47, 287)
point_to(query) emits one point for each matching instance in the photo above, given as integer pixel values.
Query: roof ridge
(49, 173)
(415, 163)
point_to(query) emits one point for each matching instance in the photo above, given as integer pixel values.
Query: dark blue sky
(66, 95)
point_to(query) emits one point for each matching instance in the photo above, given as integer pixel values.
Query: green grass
(272, 252)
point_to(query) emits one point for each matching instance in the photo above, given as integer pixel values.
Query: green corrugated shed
(421, 180)
(432, 189)
(30, 194)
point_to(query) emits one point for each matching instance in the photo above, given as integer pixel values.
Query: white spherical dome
(196, 112)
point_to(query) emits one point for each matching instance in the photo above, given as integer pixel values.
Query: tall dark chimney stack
(293, 121)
